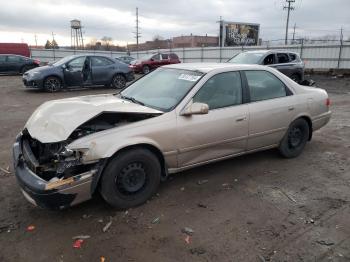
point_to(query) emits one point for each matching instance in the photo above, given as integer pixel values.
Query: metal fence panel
(315, 56)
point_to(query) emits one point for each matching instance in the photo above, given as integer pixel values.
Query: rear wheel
(118, 81)
(52, 84)
(146, 69)
(295, 139)
(130, 178)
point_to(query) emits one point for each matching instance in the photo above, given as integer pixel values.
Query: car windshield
(162, 89)
(147, 57)
(246, 58)
(61, 61)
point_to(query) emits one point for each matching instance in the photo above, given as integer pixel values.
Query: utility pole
(294, 32)
(220, 30)
(289, 8)
(36, 40)
(137, 33)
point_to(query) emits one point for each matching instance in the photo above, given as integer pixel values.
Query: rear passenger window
(222, 90)
(165, 56)
(263, 85)
(100, 61)
(282, 58)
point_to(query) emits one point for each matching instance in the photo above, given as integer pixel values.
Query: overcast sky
(20, 20)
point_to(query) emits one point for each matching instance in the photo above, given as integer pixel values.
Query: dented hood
(55, 120)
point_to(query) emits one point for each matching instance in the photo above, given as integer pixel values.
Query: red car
(152, 61)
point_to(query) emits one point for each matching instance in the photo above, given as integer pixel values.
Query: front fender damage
(54, 176)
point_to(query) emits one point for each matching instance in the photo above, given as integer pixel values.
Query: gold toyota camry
(177, 117)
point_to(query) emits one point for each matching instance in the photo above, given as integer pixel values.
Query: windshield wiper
(132, 99)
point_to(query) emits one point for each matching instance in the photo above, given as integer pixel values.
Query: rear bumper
(321, 120)
(53, 195)
(130, 76)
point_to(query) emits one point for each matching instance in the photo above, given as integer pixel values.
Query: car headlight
(77, 153)
(36, 73)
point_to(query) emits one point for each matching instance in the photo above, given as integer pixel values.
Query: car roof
(207, 67)
(264, 51)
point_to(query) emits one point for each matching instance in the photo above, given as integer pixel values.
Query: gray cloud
(171, 18)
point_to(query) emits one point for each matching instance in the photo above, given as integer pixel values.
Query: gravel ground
(258, 207)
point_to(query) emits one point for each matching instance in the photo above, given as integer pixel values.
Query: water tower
(77, 41)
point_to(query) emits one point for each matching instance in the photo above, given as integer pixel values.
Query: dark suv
(152, 61)
(288, 63)
(16, 63)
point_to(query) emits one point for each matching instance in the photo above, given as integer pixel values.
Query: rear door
(14, 63)
(271, 108)
(102, 69)
(283, 63)
(220, 133)
(165, 59)
(73, 73)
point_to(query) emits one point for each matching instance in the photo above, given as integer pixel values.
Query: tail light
(37, 62)
(328, 102)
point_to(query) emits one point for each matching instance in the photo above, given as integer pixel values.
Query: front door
(223, 131)
(3, 67)
(271, 109)
(73, 73)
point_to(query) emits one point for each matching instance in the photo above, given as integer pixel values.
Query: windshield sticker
(192, 78)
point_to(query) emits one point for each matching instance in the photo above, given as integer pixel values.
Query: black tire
(296, 78)
(52, 84)
(130, 178)
(25, 69)
(295, 138)
(146, 69)
(118, 81)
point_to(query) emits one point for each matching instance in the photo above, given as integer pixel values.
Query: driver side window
(77, 63)
(222, 90)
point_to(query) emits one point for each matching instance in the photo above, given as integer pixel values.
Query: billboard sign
(239, 34)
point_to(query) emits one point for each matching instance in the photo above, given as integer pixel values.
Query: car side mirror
(64, 66)
(195, 109)
(152, 59)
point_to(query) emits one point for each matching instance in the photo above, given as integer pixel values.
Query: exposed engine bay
(52, 161)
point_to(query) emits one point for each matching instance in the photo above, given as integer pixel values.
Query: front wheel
(130, 178)
(118, 81)
(146, 69)
(295, 139)
(52, 84)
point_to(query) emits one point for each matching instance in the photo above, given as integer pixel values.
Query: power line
(289, 8)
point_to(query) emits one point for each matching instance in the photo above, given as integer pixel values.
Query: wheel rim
(118, 82)
(295, 137)
(52, 84)
(131, 179)
(146, 70)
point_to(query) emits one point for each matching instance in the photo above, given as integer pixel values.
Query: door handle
(291, 108)
(242, 118)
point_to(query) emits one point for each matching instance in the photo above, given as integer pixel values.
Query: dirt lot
(258, 207)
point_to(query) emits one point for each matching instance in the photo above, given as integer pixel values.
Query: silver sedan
(177, 117)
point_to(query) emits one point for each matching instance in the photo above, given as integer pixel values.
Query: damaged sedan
(177, 117)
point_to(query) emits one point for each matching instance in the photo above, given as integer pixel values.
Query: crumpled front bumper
(53, 195)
